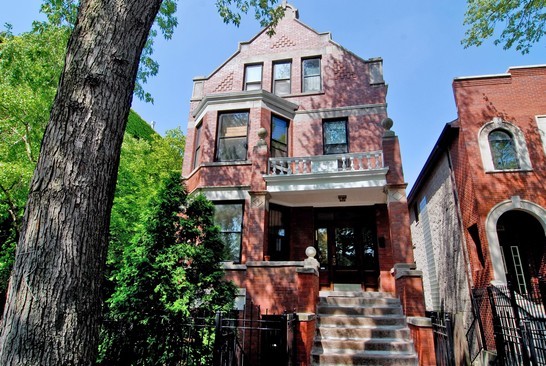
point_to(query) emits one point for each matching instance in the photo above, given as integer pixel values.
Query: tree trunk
(53, 303)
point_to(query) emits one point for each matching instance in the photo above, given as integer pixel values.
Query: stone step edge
(378, 354)
(358, 326)
(362, 294)
(357, 316)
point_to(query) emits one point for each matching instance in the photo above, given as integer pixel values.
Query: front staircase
(361, 328)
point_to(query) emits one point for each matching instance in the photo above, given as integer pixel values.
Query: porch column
(257, 218)
(256, 226)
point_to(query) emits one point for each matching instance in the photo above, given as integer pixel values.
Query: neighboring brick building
(291, 141)
(478, 207)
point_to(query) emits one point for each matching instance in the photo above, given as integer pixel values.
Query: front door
(345, 240)
(523, 245)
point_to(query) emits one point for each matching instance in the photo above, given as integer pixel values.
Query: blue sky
(419, 41)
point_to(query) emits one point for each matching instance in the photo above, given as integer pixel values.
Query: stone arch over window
(503, 147)
(515, 203)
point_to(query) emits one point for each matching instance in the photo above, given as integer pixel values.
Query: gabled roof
(290, 13)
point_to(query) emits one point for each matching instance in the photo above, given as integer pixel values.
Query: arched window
(503, 150)
(502, 147)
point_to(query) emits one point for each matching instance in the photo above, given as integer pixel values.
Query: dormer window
(253, 77)
(281, 77)
(503, 150)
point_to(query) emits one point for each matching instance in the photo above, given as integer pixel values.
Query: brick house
(478, 208)
(290, 139)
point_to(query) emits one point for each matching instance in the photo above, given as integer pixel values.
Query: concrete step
(363, 332)
(363, 321)
(360, 294)
(358, 301)
(393, 345)
(325, 309)
(361, 328)
(371, 358)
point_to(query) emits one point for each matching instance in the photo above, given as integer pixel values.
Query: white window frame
(541, 123)
(519, 143)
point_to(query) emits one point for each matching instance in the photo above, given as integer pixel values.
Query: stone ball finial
(387, 123)
(262, 133)
(310, 252)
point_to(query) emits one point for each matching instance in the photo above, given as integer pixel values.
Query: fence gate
(442, 327)
(254, 339)
(519, 322)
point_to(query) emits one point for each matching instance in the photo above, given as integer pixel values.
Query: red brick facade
(478, 205)
(341, 173)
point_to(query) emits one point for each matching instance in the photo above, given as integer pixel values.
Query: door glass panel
(322, 246)
(345, 247)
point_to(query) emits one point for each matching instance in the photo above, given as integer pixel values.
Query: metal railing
(239, 338)
(442, 328)
(321, 164)
(519, 323)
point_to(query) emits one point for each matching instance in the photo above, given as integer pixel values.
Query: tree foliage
(522, 23)
(170, 271)
(52, 311)
(30, 66)
(146, 160)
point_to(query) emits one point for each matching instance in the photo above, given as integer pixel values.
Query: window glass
(311, 75)
(232, 136)
(281, 77)
(253, 77)
(197, 149)
(503, 150)
(229, 216)
(278, 234)
(335, 137)
(279, 137)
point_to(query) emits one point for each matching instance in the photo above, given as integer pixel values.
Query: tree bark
(53, 304)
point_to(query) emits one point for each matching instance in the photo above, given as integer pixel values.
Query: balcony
(296, 181)
(324, 164)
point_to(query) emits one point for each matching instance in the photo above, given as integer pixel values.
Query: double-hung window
(279, 137)
(281, 77)
(253, 77)
(311, 76)
(335, 136)
(232, 136)
(229, 217)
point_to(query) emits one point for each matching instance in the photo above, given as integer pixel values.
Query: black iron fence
(240, 338)
(442, 328)
(519, 326)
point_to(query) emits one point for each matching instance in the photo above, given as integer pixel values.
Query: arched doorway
(522, 242)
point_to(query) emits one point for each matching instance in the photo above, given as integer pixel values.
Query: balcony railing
(323, 164)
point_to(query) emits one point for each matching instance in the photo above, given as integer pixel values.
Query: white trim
(495, 252)
(541, 123)
(519, 142)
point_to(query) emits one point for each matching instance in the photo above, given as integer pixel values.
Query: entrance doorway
(522, 242)
(346, 245)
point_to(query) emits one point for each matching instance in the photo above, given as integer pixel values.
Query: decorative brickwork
(225, 85)
(283, 42)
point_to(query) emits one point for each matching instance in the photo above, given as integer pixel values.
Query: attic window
(281, 77)
(253, 77)
(311, 75)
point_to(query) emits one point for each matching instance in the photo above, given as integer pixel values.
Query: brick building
(290, 139)
(478, 208)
